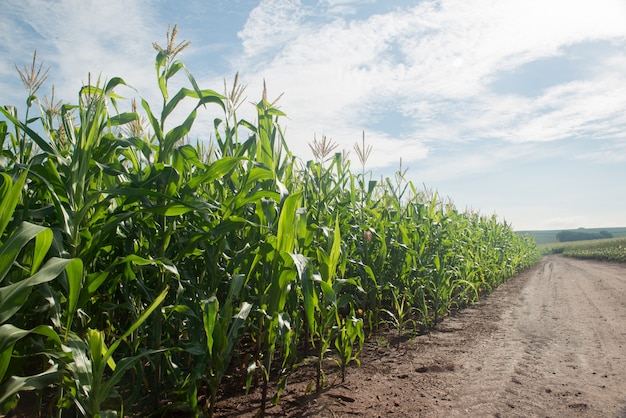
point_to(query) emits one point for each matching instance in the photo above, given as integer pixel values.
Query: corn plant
(32, 78)
(89, 360)
(222, 329)
(121, 240)
(22, 270)
(401, 316)
(275, 325)
(349, 340)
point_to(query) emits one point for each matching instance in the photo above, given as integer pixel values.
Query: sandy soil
(550, 342)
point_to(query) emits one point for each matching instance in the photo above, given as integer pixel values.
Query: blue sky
(510, 107)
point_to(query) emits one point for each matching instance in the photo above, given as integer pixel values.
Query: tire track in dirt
(558, 350)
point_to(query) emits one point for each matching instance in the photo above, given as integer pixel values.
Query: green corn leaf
(216, 170)
(5, 359)
(43, 241)
(4, 128)
(205, 96)
(210, 309)
(140, 192)
(141, 261)
(328, 292)
(178, 133)
(10, 334)
(47, 147)
(287, 223)
(324, 264)
(91, 90)
(258, 173)
(48, 174)
(74, 273)
(161, 62)
(171, 105)
(240, 200)
(236, 327)
(16, 384)
(335, 251)
(189, 154)
(235, 285)
(6, 183)
(134, 142)
(10, 197)
(13, 296)
(308, 289)
(147, 312)
(227, 225)
(89, 359)
(278, 289)
(123, 118)
(12, 247)
(121, 368)
(92, 283)
(142, 318)
(81, 369)
(210, 96)
(173, 69)
(154, 123)
(193, 82)
(171, 210)
(112, 84)
(370, 273)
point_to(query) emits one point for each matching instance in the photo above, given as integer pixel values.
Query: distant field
(611, 249)
(549, 236)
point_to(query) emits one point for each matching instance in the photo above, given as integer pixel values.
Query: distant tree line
(565, 236)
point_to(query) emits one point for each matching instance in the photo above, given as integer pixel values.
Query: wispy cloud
(434, 64)
(271, 26)
(78, 38)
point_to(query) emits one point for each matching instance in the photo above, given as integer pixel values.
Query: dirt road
(551, 342)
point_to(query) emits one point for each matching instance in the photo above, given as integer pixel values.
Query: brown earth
(551, 342)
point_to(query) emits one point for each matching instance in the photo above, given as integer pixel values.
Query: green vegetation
(136, 267)
(612, 249)
(568, 236)
(551, 236)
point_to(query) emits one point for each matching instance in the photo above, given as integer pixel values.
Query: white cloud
(575, 110)
(333, 3)
(343, 7)
(77, 37)
(455, 48)
(337, 73)
(271, 25)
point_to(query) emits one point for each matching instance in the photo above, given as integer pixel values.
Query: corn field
(136, 265)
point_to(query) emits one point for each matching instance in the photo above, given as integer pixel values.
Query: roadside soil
(551, 342)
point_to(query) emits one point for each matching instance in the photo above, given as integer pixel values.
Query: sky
(511, 107)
